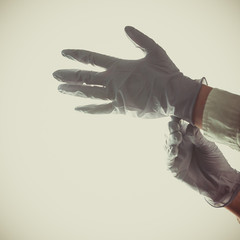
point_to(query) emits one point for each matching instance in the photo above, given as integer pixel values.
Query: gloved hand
(151, 87)
(199, 163)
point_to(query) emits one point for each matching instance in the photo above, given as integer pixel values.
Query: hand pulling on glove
(151, 87)
(199, 163)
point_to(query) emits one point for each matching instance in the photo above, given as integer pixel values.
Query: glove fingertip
(69, 53)
(194, 135)
(176, 119)
(78, 109)
(128, 29)
(172, 152)
(190, 130)
(173, 127)
(65, 52)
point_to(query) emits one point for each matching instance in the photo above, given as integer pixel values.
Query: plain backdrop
(66, 175)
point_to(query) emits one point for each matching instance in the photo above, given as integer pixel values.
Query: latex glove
(151, 87)
(199, 163)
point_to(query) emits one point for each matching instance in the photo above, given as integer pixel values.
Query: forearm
(200, 104)
(234, 206)
(217, 113)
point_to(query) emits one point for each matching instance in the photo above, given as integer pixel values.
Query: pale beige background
(65, 175)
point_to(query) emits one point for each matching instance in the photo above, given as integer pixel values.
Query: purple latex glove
(150, 87)
(199, 163)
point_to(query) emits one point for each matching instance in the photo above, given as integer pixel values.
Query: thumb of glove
(194, 135)
(140, 40)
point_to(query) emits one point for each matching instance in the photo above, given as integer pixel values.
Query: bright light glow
(66, 175)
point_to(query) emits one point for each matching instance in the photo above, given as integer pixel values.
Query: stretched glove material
(199, 163)
(151, 87)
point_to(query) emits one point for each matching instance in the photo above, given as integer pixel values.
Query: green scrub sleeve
(221, 118)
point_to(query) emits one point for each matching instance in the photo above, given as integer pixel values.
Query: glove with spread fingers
(150, 87)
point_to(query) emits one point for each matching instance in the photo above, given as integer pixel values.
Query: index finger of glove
(87, 57)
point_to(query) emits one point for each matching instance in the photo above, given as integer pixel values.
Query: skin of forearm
(234, 206)
(200, 104)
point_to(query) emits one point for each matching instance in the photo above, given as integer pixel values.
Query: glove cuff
(183, 95)
(226, 199)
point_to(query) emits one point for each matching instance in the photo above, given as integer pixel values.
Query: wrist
(181, 95)
(234, 206)
(189, 104)
(200, 104)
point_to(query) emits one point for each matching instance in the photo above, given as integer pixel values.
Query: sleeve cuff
(221, 118)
